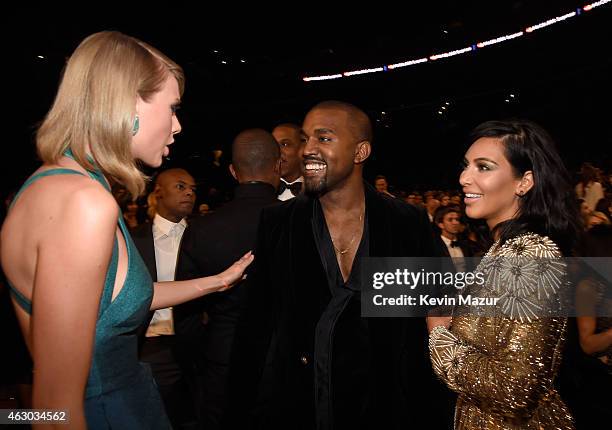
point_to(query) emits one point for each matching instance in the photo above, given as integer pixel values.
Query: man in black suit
(158, 243)
(303, 351)
(448, 223)
(289, 139)
(210, 243)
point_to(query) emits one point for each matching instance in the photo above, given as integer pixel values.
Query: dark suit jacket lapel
(144, 242)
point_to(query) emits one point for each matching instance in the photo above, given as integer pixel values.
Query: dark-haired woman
(502, 361)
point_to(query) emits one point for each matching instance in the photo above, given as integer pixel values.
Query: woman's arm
(173, 293)
(514, 371)
(586, 305)
(512, 379)
(591, 342)
(72, 261)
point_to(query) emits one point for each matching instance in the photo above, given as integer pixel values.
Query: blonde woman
(79, 286)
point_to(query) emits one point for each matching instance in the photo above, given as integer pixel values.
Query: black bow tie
(295, 187)
(454, 243)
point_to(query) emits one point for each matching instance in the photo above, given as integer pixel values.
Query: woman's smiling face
(489, 182)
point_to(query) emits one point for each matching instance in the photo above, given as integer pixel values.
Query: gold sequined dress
(503, 366)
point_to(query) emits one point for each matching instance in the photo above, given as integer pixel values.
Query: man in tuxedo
(448, 220)
(211, 244)
(382, 186)
(289, 139)
(304, 352)
(158, 243)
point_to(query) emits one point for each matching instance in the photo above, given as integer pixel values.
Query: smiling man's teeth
(315, 166)
(472, 196)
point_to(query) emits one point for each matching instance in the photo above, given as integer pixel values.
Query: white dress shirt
(456, 254)
(287, 194)
(167, 237)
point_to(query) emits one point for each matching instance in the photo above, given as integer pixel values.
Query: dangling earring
(136, 125)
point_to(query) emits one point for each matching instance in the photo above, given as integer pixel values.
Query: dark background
(560, 76)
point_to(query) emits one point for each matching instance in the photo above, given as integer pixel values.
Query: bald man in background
(208, 244)
(158, 243)
(289, 139)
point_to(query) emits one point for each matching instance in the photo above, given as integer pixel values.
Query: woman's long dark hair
(549, 208)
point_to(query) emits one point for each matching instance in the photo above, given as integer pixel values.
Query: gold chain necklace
(344, 251)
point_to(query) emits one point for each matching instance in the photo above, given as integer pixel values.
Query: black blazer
(211, 243)
(289, 291)
(143, 239)
(443, 250)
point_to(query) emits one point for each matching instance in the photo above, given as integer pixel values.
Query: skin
(158, 124)
(175, 194)
(432, 204)
(381, 185)
(489, 174)
(331, 143)
(586, 301)
(455, 200)
(56, 245)
(450, 225)
(290, 142)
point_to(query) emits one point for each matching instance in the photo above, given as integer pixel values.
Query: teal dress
(121, 392)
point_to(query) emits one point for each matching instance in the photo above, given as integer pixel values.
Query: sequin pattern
(503, 367)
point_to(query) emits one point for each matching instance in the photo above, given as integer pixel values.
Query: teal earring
(136, 125)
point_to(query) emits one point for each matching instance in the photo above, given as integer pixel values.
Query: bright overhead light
(472, 47)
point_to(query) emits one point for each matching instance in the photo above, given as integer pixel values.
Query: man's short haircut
(163, 173)
(360, 123)
(442, 211)
(254, 152)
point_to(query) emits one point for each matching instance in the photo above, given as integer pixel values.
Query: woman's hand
(234, 273)
(436, 321)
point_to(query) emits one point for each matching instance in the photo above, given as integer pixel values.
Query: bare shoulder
(76, 202)
(91, 200)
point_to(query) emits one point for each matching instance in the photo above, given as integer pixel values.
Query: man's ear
(363, 151)
(233, 171)
(157, 190)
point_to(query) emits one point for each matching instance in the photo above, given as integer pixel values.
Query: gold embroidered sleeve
(510, 380)
(506, 363)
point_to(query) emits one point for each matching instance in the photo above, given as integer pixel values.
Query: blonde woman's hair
(96, 104)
